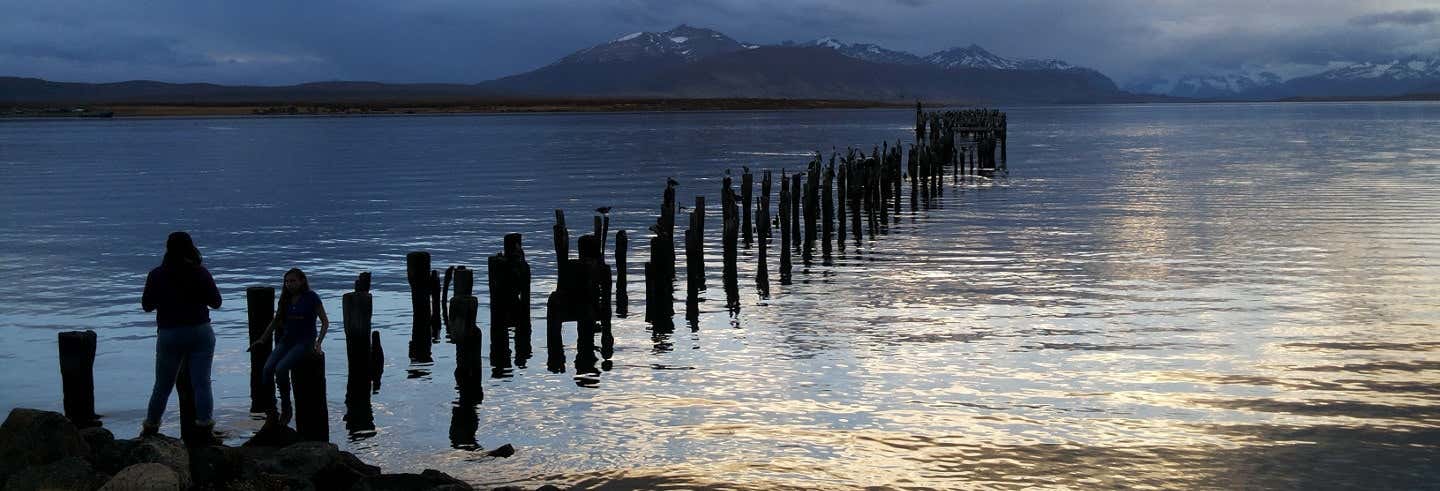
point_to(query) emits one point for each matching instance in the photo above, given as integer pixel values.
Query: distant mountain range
(1397, 77)
(692, 62)
(695, 62)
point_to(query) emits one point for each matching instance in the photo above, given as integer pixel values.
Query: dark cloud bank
(281, 42)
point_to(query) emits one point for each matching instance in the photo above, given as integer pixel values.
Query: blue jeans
(277, 367)
(194, 345)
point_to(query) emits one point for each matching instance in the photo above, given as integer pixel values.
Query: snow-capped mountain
(682, 43)
(1208, 86)
(972, 56)
(695, 62)
(868, 52)
(1413, 68)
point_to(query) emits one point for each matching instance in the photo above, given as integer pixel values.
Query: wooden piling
(812, 208)
(562, 239)
(786, 232)
(762, 268)
(357, 307)
(795, 196)
(840, 202)
(260, 310)
(185, 396)
(377, 361)
(828, 211)
(747, 183)
(417, 273)
(695, 249)
(312, 414)
(435, 321)
(622, 297)
(445, 297)
(77, 377)
(466, 335)
(730, 233)
(662, 253)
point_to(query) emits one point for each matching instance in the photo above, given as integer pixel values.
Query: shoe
(148, 429)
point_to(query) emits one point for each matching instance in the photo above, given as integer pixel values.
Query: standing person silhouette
(295, 318)
(181, 292)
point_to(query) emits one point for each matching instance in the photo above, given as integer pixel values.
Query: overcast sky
(289, 41)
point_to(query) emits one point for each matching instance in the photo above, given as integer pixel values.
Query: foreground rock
(43, 450)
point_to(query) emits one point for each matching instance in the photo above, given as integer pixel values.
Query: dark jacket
(179, 295)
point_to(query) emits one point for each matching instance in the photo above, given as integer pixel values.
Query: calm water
(1177, 296)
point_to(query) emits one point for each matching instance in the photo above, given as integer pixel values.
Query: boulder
(163, 450)
(429, 480)
(112, 457)
(350, 460)
(505, 450)
(30, 437)
(144, 477)
(97, 438)
(214, 467)
(273, 434)
(68, 473)
(302, 460)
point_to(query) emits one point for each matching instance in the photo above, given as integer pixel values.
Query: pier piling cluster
(853, 196)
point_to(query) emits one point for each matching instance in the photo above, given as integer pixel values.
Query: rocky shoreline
(44, 450)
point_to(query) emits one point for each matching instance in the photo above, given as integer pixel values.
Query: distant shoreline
(522, 106)
(124, 110)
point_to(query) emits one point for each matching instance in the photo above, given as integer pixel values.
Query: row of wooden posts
(813, 206)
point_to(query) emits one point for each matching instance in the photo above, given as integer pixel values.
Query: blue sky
(281, 42)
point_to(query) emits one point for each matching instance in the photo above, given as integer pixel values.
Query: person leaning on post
(181, 292)
(295, 317)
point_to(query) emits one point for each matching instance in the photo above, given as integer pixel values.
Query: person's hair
(286, 298)
(180, 250)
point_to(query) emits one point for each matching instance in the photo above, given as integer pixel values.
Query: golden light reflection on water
(1204, 301)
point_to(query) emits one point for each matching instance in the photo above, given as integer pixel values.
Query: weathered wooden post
(260, 309)
(896, 177)
(622, 298)
(762, 271)
(77, 376)
(185, 396)
(840, 202)
(659, 305)
(377, 361)
(795, 197)
(786, 209)
(445, 297)
(662, 254)
(812, 208)
(435, 321)
(357, 307)
(562, 239)
(729, 237)
(312, 414)
(417, 273)
(881, 190)
(747, 182)
(695, 249)
(467, 337)
(828, 212)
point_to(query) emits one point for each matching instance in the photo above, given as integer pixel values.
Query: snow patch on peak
(628, 37)
(679, 39)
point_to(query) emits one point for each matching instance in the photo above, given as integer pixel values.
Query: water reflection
(1154, 297)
